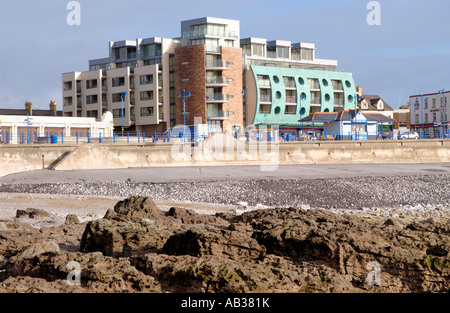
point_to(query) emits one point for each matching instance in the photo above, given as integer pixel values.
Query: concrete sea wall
(21, 158)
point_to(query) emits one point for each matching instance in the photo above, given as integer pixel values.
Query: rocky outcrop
(138, 248)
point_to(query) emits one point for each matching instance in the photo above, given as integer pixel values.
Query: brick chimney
(359, 91)
(53, 107)
(29, 108)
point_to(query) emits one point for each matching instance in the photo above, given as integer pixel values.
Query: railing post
(100, 138)
(77, 137)
(143, 137)
(62, 137)
(89, 137)
(114, 137)
(139, 137)
(128, 137)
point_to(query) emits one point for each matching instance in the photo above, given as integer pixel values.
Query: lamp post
(246, 110)
(123, 94)
(444, 122)
(184, 94)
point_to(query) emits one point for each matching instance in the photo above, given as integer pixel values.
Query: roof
(346, 115)
(373, 100)
(24, 112)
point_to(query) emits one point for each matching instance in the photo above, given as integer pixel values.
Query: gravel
(427, 195)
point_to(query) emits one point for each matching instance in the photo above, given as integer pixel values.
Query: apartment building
(130, 84)
(209, 73)
(430, 112)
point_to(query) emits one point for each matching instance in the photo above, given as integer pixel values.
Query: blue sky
(408, 54)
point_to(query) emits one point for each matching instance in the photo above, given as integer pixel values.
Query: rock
(32, 214)
(3, 261)
(138, 207)
(72, 219)
(43, 247)
(141, 249)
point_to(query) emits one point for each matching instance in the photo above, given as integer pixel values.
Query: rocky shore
(339, 235)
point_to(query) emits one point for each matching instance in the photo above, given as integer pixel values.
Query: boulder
(138, 207)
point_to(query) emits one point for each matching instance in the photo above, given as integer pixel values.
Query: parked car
(409, 135)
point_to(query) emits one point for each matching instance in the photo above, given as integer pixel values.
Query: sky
(408, 53)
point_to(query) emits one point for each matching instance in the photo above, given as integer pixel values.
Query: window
(118, 113)
(92, 114)
(434, 117)
(307, 54)
(246, 49)
(146, 95)
(118, 81)
(146, 79)
(283, 52)
(147, 111)
(117, 97)
(152, 51)
(92, 99)
(426, 117)
(434, 102)
(258, 50)
(426, 103)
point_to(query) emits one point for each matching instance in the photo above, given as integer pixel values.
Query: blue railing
(167, 137)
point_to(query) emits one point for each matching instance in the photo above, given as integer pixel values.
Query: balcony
(217, 98)
(265, 99)
(217, 115)
(289, 84)
(264, 83)
(208, 32)
(217, 65)
(338, 86)
(217, 81)
(291, 100)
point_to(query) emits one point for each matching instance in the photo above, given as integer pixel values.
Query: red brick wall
(190, 63)
(234, 89)
(159, 128)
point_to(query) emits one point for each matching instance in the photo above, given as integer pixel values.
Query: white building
(429, 113)
(17, 129)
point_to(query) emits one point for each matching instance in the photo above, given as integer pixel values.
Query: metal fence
(252, 136)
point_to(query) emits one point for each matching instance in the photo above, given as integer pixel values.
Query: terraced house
(208, 73)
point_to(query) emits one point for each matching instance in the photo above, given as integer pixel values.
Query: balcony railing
(217, 114)
(264, 83)
(209, 32)
(265, 98)
(217, 64)
(291, 100)
(289, 84)
(217, 80)
(218, 97)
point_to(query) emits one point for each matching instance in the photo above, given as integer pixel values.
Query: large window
(147, 111)
(146, 79)
(147, 95)
(92, 99)
(118, 81)
(307, 54)
(283, 52)
(152, 51)
(117, 97)
(118, 113)
(257, 50)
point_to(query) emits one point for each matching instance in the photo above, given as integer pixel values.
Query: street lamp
(123, 94)
(184, 94)
(444, 122)
(246, 109)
